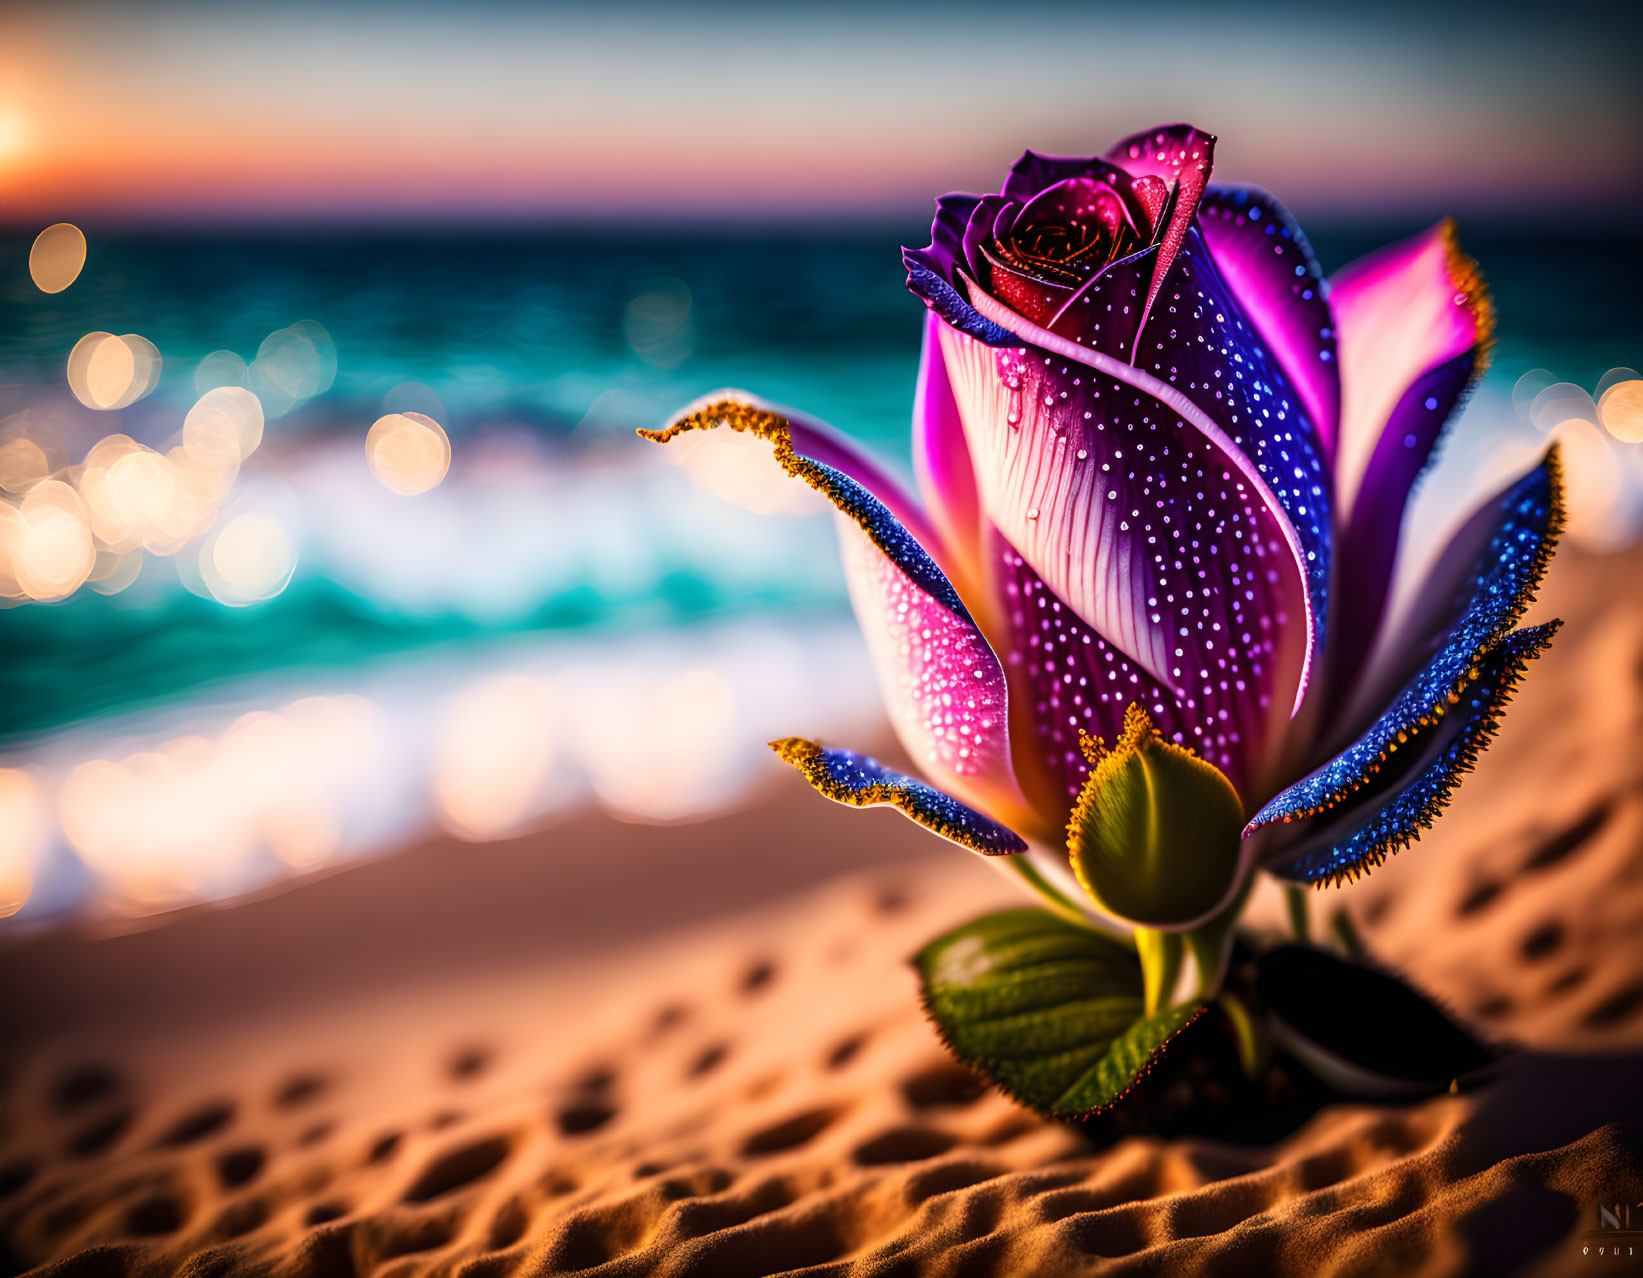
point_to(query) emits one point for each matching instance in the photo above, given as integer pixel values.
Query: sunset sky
(189, 112)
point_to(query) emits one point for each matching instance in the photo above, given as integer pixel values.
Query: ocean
(556, 531)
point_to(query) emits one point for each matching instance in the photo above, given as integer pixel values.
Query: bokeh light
(654, 753)
(1561, 402)
(22, 832)
(58, 256)
(409, 453)
(23, 463)
(292, 364)
(45, 544)
(220, 368)
(1592, 469)
(108, 372)
(414, 397)
(249, 559)
(261, 756)
(1620, 408)
(158, 501)
(1527, 387)
(658, 324)
(224, 426)
(117, 494)
(1611, 377)
(146, 361)
(737, 468)
(188, 816)
(130, 497)
(97, 376)
(495, 754)
(113, 572)
(206, 803)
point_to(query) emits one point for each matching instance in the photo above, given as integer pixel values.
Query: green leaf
(1360, 1029)
(1154, 836)
(1049, 1010)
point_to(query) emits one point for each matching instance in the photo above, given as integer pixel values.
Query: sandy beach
(621, 1049)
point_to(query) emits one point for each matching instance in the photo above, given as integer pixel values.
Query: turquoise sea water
(550, 343)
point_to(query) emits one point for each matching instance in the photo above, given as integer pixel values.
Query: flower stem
(1053, 896)
(1160, 954)
(1254, 1043)
(1299, 921)
(1346, 935)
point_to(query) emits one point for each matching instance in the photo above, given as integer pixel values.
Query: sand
(615, 1049)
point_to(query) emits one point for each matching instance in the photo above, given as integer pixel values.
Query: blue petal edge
(940, 296)
(1446, 749)
(1249, 230)
(1498, 589)
(860, 781)
(847, 495)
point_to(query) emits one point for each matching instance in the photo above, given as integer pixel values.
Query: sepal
(1154, 835)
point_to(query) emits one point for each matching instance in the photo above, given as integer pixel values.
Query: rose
(1136, 634)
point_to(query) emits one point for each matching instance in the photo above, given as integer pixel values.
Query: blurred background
(323, 527)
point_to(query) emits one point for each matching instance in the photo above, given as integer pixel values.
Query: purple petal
(1202, 349)
(1201, 342)
(933, 271)
(1140, 516)
(1066, 679)
(1181, 156)
(979, 232)
(952, 219)
(1481, 590)
(1032, 173)
(1414, 324)
(1368, 546)
(1270, 267)
(860, 781)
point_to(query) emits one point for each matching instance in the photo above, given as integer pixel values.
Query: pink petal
(943, 687)
(941, 458)
(1399, 313)
(1414, 325)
